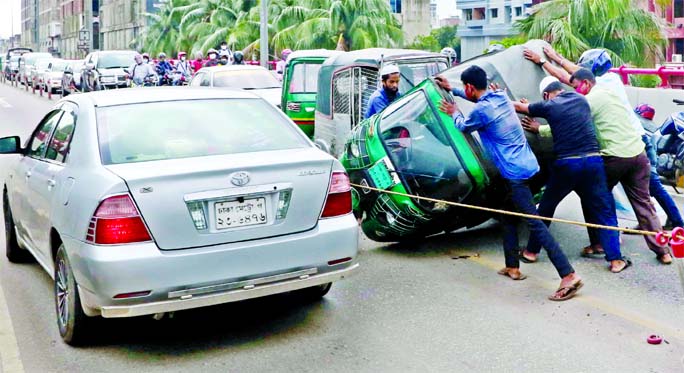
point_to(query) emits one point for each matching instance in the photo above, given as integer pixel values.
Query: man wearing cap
(623, 155)
(386, 94)
(494, 118)
(578, 166)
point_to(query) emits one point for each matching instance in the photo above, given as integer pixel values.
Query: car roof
(215, 69)
(313, 53)
(127, 96)
(376, 55)
(115, 52)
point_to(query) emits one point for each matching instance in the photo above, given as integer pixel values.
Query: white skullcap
(389, 69)
(547, 82)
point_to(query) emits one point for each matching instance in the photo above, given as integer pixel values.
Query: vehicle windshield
(59, 65)
(414, 72)
(304, 78)
(192, 128)
(115, 60)
(43, 64)
(245, 79)
(14, 60)
(421, 151)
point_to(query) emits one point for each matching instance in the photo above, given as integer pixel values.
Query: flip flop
(589, 252)
(524, 259)
(568, 292)
(504, 272)
(628, 263)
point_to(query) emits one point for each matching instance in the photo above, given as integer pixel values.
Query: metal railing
(665, 74)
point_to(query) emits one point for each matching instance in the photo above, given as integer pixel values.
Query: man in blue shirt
(386, 94)
(578, 166)
(503, 138)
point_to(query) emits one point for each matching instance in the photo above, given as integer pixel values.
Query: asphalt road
(436, 306)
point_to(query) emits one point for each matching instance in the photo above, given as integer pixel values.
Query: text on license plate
(233, 214)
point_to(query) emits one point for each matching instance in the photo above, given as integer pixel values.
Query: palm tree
(163, 35)
(631, 34)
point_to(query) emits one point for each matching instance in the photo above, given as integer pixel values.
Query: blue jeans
(656, 187)
(586, 177)
(521, 198)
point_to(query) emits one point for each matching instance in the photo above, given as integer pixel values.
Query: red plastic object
(677, 242)
(654, 340)
(661, 238)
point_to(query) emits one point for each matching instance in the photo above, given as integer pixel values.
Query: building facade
(29, 24)
(673, 15)
(434, 17)
(413, 15)
(485, 21)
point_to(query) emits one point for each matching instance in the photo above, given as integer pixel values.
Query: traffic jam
(148, 192)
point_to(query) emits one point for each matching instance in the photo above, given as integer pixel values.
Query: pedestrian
(646, 113)
(198, 62)
(280, 66)
(623, 153)
(387, 93)
(578, 166)
(213, 58)
(503, 138)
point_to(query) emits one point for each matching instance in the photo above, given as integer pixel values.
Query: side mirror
(10, 145)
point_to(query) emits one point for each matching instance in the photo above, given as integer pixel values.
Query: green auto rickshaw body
(414, 148)
(300, 83)
(346, 82)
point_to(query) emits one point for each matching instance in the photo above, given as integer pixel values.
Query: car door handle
(51, 183)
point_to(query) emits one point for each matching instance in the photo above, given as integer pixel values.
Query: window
(246, 79)
(59, 145)
(468, 14)
(197, 80)
(171, 130)
(206, 80)
(679, 46)
(304, 78)
(518, 11)
(494, 13)
(421, 152)
(678, 8)
(38, 142)
(395, 6)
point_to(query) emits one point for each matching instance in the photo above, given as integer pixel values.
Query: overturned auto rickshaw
(346, 82)
(414, 148)
(300, 83)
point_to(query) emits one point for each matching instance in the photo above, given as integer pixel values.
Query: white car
(256, 79)
(142, 202)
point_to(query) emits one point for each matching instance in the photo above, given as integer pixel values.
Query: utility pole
(263, 53)
(12, 21)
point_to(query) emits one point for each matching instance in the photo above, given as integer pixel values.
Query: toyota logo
(240, 179)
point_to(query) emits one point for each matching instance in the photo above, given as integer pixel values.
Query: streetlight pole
(264, 34)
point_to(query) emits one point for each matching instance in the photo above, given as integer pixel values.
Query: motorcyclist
(223, 48)
(224, 58)
(238, 58)
(183, 69)
(140, 71)
(213, 58)
(146, 58)
(198, 62)
(280, 66)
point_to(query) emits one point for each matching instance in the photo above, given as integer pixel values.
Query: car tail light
(339, 201)
(117, 221)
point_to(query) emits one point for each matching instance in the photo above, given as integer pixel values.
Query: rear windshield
(115, 60)
(59, 65)
(304, 78)
(245, 79)
(31, 59)
(192, 128)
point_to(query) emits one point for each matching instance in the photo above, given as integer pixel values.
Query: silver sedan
(142, 202)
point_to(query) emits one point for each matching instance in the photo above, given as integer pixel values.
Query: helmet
(645, 111)
(286, 52)
(162, 55)
(495, 48)
(212, 50)
(181, 54)
(449, 52)
(238, 57)
(596, 60)
(146, 55)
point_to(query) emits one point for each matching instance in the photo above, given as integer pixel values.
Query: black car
(105, 70)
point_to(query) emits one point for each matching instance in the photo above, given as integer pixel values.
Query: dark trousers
(634, 174)
(657, 190)
(521, 199)
(586, 177)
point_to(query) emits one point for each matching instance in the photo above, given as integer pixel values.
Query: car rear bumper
(197, 277)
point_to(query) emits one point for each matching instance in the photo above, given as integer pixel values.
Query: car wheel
(15, 254)
(314, 293)
(71, 320)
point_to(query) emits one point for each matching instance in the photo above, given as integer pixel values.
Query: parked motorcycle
(669, 144)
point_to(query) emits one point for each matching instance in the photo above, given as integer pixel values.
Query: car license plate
(232, 214)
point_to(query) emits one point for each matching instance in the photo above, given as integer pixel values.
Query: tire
(15, 254)
(314, 293)
(73, 324)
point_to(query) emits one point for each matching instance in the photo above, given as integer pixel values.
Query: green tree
(164, 34)
(437, 39)
(631, 34)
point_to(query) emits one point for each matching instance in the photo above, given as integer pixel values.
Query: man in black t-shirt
(578, 166)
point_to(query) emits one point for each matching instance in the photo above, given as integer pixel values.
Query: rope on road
(518, 214)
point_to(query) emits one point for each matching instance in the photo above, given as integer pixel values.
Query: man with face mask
(386, 94)
(146, 58)
(623, 154)
(183, 69)
(213, 58)
(224, 58)
(140, 70)
(578, 166)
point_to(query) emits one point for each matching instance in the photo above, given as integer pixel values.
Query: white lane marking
(9, 349)
(5, 104)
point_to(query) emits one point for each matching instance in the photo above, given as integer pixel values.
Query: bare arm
(557, 72)
(521, 107)
(554, 56)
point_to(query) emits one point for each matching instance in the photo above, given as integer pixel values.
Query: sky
(445, 8)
